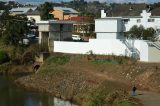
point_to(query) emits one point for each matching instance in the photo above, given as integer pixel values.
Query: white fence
(103, 46)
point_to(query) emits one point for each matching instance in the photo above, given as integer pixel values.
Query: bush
(59, 60)
(4, 57)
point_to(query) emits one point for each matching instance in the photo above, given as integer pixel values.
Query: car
(31, 35)
(76, 37)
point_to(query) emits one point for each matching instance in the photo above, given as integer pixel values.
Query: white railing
(133, 52)
(155, 44)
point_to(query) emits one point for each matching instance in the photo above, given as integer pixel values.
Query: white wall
(109, 28)
(144, 52)
(71, 47)
(36, 17)
(154, 54)
(143, 21)
(102, 46)
(44, 27)
(106, 35)
(106, 25)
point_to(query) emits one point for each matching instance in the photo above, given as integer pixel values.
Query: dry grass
(76, 78)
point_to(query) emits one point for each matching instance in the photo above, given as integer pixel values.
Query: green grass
(108, 61)
(124, 103)
(58, 60)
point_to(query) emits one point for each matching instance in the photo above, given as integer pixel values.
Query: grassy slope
(78, 79)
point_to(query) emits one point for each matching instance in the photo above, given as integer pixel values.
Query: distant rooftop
(130, 10)
(66, 10)
(36, 12)
(55, 22)
(22, 10)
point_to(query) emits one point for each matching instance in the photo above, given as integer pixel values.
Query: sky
(108, 1)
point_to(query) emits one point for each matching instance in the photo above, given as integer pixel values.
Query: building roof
(66, 10)
(35, 12)
(55, 22)
(22, 10)
(109, 18)
(80, 19)
(131, 10)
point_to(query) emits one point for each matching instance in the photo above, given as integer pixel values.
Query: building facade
(53, 30)
(114, 27)
(110, 39)
(63, 13)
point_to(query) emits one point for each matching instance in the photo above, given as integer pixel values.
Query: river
(11, 95)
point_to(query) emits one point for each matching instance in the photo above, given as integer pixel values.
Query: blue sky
(110, 1)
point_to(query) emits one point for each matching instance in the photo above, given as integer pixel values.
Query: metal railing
(133, 52)
(155, 44)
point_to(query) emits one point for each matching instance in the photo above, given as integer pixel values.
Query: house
(114, 27)
(34, 15)
(63, 13)
(83, 24)
(21, 10)
(54, 30)
(110, 39)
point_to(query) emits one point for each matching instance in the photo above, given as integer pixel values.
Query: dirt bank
(86, 81)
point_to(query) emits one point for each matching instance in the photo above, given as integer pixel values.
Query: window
(150, 20)
(126, 21)
(138, 20)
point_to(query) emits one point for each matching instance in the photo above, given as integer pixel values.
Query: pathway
(148, 98)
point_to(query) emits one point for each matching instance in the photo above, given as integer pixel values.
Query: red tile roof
(80, 19)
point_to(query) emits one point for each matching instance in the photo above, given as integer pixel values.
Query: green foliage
(108, 61)
(123, 103)
(149, 34)
(14, 28)
(112, 60)
(3, 57)
(4, 67)
(97, 98)
(45, 9)
(24, 55)
(59, 60)
(141, 33)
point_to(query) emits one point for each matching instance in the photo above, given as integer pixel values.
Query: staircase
(154, 51)
(155, 44)
(133, 52)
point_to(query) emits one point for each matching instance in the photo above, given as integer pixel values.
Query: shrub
(4, 57)
(59, 60)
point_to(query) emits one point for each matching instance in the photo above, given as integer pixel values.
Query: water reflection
(10, 95)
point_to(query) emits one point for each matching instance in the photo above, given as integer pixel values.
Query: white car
(76, 37)
(31, 35)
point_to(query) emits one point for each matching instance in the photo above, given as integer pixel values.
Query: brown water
(11, 95)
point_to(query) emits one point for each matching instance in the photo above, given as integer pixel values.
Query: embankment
(80, 79)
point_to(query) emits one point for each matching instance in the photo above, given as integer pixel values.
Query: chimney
(103, 14)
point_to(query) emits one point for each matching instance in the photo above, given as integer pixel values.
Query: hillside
(86, 80)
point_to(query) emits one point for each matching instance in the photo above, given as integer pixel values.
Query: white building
(145, 19)
(34, 15)
(114, 27)
(110, 39)
(109, 28)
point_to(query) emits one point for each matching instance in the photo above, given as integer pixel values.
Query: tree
(13, 28)
(149, 34)
(141, 33)
(45, 9)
